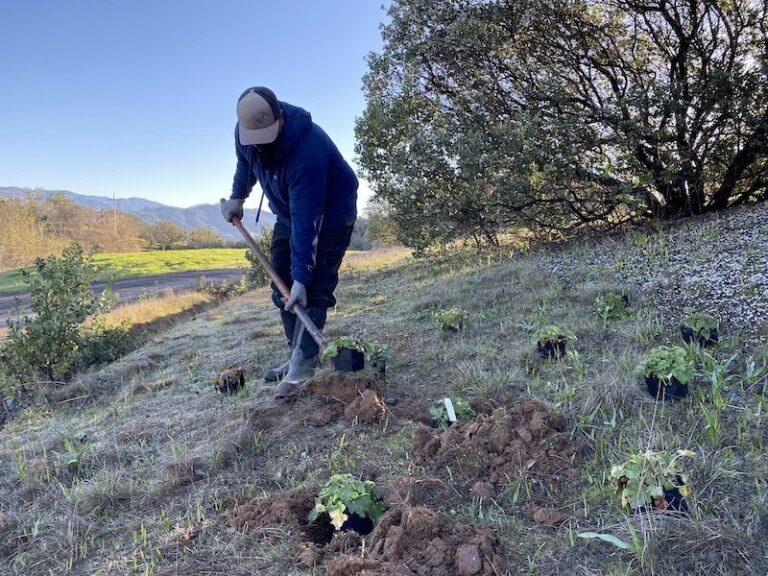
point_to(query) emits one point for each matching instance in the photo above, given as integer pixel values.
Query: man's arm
(306, 187)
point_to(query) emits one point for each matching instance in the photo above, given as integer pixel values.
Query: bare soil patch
(359, 395)
(494, 448)
(416, 541)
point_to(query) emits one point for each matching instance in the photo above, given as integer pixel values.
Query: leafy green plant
(451, 320)
(373, 351)
(47, 342)
(73, 454)
(667, 362)
(256, 275)
(343, 494)
(642, 478)
(461, 407)
(552, 333)
(701, 324)
(612, 306)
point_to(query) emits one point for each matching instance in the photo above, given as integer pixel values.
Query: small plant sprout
(343, 495)
(613, 306)
(373, 351)
(451, 320)
(461, 407)
(645, 479)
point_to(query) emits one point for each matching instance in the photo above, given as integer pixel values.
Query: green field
(132, 264)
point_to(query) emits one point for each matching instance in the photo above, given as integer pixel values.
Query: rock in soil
(545, 515)
(415, 541)
(368, 407)
(500, 446)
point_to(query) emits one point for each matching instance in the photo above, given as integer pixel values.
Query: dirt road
(131, 288)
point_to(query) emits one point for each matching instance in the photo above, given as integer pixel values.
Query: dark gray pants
(332, 243)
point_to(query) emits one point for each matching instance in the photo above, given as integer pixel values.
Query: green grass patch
(132, 264)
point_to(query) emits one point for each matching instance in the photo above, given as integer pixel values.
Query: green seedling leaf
(618, 542)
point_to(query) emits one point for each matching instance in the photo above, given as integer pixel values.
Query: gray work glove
(231, 208)
(298, 296)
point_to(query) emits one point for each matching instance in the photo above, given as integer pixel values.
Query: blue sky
(138, 97)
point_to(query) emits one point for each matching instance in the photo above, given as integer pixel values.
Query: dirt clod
(545, 515)
(325, 415)
(482, 489)
(468, 560)
(307, 555)
(502, 445)
(368, 407)
(415, 541)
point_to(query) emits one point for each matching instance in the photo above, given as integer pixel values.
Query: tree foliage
(486, 114)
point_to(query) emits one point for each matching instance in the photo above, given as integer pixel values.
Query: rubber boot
(300, 370)
(276, 373)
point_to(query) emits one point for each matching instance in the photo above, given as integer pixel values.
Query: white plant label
(449, 408)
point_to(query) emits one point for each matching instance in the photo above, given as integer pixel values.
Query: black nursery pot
(349, 360)
(676, 501)
(355, 523)
(550, 349)
(674, 390)
(703, 341)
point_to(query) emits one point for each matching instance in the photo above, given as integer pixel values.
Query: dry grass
(149, 309)
(161, 456)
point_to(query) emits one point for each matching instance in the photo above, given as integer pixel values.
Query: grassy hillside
(140, 468)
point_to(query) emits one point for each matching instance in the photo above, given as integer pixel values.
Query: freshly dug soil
(368, 407)
(359, 395)
(407, 490)
(339, 386)
(415, 541)
(493, 448)
(290, 510)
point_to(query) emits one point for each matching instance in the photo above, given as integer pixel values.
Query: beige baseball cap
(258, 114)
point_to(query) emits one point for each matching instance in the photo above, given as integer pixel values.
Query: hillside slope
(171, 478)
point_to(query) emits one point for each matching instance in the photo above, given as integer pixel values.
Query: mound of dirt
(407, 490)
(289, 510)
(343, 387)
(502, 445)
(359, 395)
(415, 541)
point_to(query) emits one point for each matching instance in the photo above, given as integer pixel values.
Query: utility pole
(114, 220)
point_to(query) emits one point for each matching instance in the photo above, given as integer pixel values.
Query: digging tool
(300, 312)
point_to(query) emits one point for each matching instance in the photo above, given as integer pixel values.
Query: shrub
(373, 351)
(451, 320)
(552, 333)
(48, 342)
(701, 324)
(256, 275)
(612, 306)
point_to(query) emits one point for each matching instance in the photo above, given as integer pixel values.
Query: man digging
(313, 192)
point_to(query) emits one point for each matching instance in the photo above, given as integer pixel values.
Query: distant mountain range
(202, 215)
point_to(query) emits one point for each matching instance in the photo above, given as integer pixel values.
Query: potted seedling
(655, 479)
(230, 381)
(461, 410)
(348, 354)
(613, 306)
(451, 320)
(378, 355)
(350, 503)
(667, 371)
(701, 328)
(551, 341)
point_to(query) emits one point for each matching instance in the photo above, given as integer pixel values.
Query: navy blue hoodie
(308, 183)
